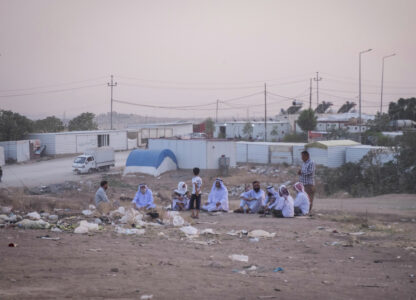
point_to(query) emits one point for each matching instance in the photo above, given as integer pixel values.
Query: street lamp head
(365, 51)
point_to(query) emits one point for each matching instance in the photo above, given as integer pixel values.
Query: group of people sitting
(277, 203)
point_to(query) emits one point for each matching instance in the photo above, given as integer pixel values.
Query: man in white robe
(285, 206)
(271, 200)
(143, 198)
(252, 199)
(302, 202)
(217, 198)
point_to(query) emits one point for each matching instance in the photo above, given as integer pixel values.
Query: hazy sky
(57, 56)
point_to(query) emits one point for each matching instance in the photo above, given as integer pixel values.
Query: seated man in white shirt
(252, 200)
(271, 200)
(302, 202)
(285, 206)
(180, 202)
(217, 198)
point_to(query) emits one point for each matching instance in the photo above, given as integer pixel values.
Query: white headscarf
(270, 189)
(300, 188)
(283, 192)
(143, 200)
(182, 188)
(219, 194)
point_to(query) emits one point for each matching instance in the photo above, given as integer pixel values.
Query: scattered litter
(31, 224)
(98, 221)
(178, 221)
(378, 261)
(146, 297)
(131, 231)
(12, 245)
(87, 212)
(278, 269)
(411, 275)
(115, 270)
(95, 250)
(266, 297)
(243, 272)
(56, 229)
(44, 215)
(357, 233)
(85, 227)
(92, 207)
(189, 230)
(53, 217)
(326, 282)
(239, 257)
(251, 268)
(47, 237)
(352, 257)
(254, 240)
(208, 231)
(33, 215)
(6, 209)
(239, 233)
(259, 233)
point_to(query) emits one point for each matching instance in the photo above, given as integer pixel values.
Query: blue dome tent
(152, 162)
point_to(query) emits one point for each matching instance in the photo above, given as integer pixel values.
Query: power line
(51, 85)
(51, 91)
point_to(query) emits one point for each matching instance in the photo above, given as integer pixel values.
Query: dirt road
(46, 172)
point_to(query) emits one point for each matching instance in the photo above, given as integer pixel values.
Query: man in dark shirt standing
(307, 176)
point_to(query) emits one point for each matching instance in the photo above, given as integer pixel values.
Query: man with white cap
(301, 201)
(271, 200)
(253, 199)
(143, 198)
(284, 207)
(180, 202)
(217, 198)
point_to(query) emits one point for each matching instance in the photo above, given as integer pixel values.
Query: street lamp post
(382, 81)
(359, 88)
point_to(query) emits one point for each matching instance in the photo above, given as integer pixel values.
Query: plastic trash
(53, 217)
(44, 215)
(33, 215)
(85, 227)
(146, 297)
(189, 230)
(254, 240)
(239, 257)
(4, 218)
(278, 269)
(56, 229)
(92, 207)
(87, 212)
(178, 221)
(33, 224)
(6, 209)
(259, 233)
(129, 231)
(98, 221)
(12, 245)
(208, 231)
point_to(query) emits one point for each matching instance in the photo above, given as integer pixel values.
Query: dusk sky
(57, 56)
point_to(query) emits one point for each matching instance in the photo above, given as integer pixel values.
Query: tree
(209, 127)
(404, 109)
(84, 121)
(381, 122)
(14, 126)
(49, 124)
(248, 129)
(307, 120)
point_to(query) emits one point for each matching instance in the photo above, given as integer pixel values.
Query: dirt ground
(350, 248)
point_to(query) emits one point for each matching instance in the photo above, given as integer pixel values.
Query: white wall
(215, 149)
(16, 150)
(184, 129)
(2, 160)
(336, 156)
(318, 155)
(355, 154)
(118, 140)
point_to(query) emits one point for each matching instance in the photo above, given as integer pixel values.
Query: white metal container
(2, 160)
(329, 153)
(200, 153)
(382, 154)
(18, 151)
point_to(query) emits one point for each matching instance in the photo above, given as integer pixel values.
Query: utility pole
(310, 93)
(382, 81)
(317, 79)
(248, 114)
(216, 112)
(111, 84)
(265, 112)
(359, 90)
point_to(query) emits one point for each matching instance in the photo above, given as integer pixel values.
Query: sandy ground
(46, 172)
(322, 257)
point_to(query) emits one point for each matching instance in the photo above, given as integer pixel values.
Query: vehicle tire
(90, 171)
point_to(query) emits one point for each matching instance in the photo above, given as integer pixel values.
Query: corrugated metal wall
(297, 154)
(215, 149)
(241, 149)
(336, 156)
(2, 160)
(319, 156)
(355, 154)
(281, 154)
(16, 150)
